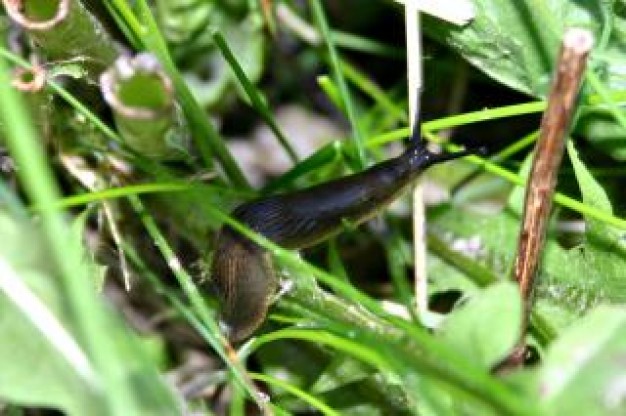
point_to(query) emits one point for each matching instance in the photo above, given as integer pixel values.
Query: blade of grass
(290, 388)
(517, 180)
(147, 188)
(113, 193)
(517, 146)
(331, 92)
(362, 44)
(307, 33)
(334, 261)
(217, 340)
(325, 155)
(347, 346)
(388, 137)
(255, 96)
(373, 90)
(376, 119)
(485, 115)
(320, 18)
(500, 157)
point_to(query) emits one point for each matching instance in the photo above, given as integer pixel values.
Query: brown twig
(547, 158)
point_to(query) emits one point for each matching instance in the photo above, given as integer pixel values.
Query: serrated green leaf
(516, 42)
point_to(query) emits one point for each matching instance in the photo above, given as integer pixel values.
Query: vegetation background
(130, 129)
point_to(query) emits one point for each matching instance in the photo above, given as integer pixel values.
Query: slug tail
(243, 275)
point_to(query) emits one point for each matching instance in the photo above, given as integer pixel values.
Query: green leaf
(190, 28)
(36, 337)
(602, 130)
(593, 195)
(604, 249)
(516, 42)
(571, 281)
(583, 372)
(39, 338)
(470, 329)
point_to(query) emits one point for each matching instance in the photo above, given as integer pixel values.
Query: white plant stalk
(458, 12)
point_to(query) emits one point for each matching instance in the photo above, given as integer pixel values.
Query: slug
(242, 271)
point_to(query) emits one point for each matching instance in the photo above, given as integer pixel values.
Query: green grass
(330, 330)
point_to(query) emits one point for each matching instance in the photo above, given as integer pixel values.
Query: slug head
(419, 155)
(243, 275)
(420, 158)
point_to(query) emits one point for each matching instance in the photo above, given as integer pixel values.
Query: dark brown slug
(242, 271)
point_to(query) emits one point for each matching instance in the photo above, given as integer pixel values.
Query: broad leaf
(35, 370)
(516, 42)
(42, 359)
(470, 328)
(570, 281)
(584, 371)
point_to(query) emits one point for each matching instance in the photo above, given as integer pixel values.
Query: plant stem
(548, 154)
(65, 31)
(555, 124)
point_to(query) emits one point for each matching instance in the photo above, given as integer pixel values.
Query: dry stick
(547, 158)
